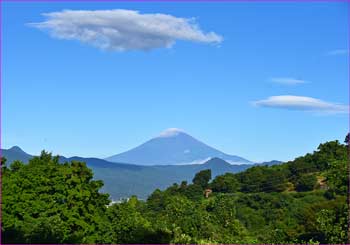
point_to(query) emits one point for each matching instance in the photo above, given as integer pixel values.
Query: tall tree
(202, 178)
(49, 202)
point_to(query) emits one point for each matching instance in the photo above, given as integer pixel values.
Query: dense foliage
(45, 201)
(301, 201)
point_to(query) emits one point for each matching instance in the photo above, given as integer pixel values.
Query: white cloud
(123, 30)
(302, 103)
(287, 80)
(338, 52)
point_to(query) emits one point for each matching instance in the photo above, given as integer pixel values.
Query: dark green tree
(347, 139)
(202, 178)
(306, 182)
(226, 183)
(3, 161)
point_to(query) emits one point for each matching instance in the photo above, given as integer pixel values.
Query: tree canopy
(300, 201)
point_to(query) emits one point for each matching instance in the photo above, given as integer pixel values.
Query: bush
(306, 183)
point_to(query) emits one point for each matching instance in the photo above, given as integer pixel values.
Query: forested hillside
(122, 180)
(301, 201)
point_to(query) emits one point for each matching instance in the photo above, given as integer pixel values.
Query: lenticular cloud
(123, 30)
(302, 103)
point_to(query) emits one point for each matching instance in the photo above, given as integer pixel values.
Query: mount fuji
(173, 147)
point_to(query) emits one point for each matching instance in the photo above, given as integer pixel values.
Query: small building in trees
(207, 192)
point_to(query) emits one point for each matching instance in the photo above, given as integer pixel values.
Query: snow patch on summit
(170, 132)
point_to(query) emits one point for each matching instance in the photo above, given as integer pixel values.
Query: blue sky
(74, 98)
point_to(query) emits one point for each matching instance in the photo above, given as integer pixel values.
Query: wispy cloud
(293, 102)
(287, 80)
(123, 30)
(338, 52)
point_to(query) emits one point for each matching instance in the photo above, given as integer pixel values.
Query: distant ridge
(173, 147)
(123, 180)
(15, 153)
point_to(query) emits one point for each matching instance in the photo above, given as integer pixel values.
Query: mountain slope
(173, 146)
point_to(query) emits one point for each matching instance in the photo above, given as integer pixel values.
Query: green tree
(333, 225)
(328, 152)
(49, 202)
(306, 182)
(226, 183)
(16, 165)
(202, 178)
(336, 176)
(128, 224)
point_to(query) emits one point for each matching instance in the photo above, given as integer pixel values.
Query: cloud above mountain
(338, 52)
(287, 80)
(123, 30)
(293, 102)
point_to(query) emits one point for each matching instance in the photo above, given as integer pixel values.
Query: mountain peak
(170, 132)
(216, 161)
(16, 149)
(173, 146)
